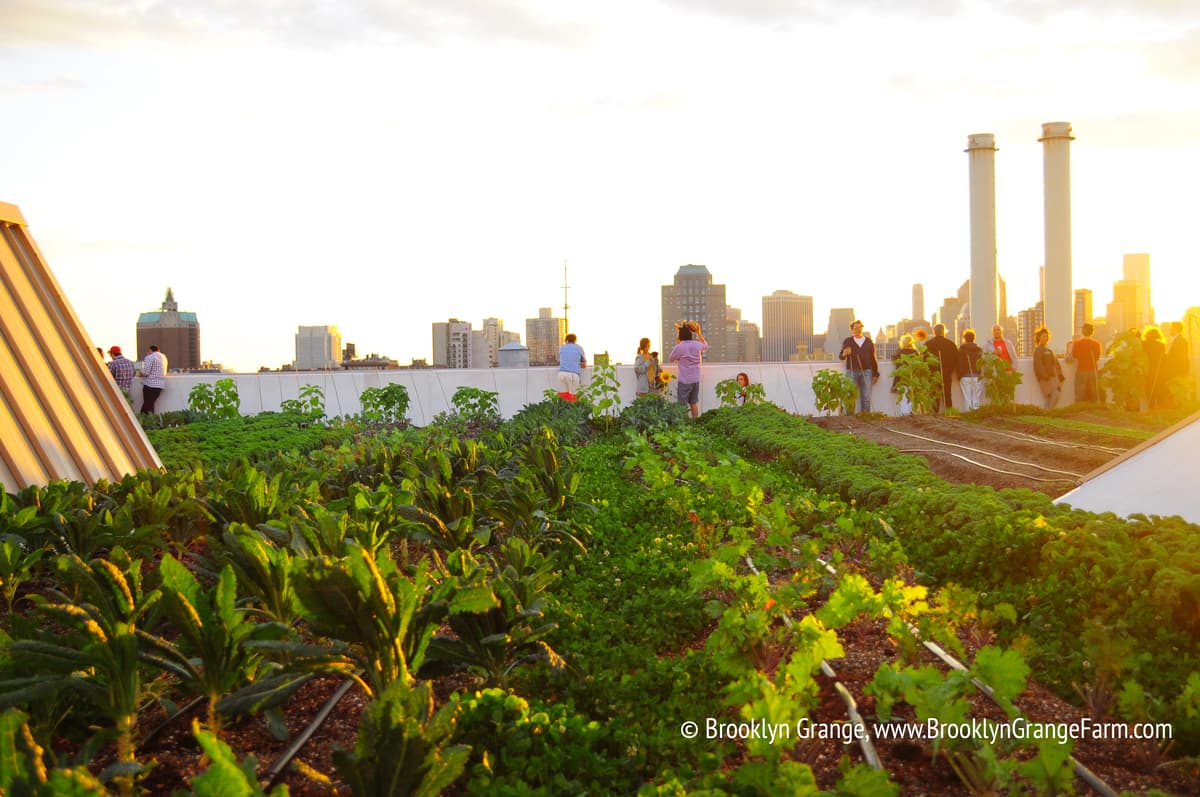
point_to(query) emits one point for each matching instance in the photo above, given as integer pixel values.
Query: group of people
(688, 353)
(1166, 361)
(154, 374)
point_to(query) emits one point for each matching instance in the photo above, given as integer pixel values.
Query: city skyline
(459, 154)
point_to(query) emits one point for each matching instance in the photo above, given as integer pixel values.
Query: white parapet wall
(789, 385)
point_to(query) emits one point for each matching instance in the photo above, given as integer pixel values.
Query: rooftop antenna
(566, 306)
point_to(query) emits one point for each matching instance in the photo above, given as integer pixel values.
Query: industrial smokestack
(981, 149)
(1056, 170)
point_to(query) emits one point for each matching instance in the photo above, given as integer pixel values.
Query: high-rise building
(452, 344)
(787, 323)
(918, 303)
(317, 348)
(1126, 310)
(1083, 309)
(952, 307)
(495, 336)
(742, 341)
(694, 297)
(1028, 322)
(840, 319)
(544, 336)
(1137, 268)
(176, 334)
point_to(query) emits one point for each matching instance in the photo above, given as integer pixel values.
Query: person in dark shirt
(946, 354)
(858, 352)
(968, 371)
(1176, 363)
(1156, 352)
(1046, 368)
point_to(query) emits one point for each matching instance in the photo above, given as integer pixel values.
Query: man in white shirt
(154, 378)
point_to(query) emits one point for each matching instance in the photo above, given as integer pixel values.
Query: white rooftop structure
(1157, 477)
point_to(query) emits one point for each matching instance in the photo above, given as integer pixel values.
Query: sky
(381, 165)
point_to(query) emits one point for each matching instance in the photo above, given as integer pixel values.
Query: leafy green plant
(918, 380)
(1000, 380)
(225, 777)
(16, 566)
(834, 390)
(729, 392)
(385, 404)
(493, 619)
(1125, 371)
(602, 393)
(215, 401)
(651, 413)
(310, 404)
(363, 599)
(25, 772)
(93, 649)
(212, 657)
(403, 746)
(475, 406)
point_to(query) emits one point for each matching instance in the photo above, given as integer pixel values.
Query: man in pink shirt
(688, 353)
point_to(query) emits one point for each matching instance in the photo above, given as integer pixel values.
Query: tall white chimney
(981, 150)
(1056, 169)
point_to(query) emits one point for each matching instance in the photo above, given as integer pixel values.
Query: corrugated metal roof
(61, 414)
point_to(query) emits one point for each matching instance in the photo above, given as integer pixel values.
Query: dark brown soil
(997, 451)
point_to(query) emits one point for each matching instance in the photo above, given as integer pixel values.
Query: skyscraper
(839, 327)
(918, 303)
(1083, 309)
(544, 336)
(1126, 310)
(694, 297)
(318, 348)
(452, 344)
(496, 337)
(176, 334)
(1137, 268)
(787, 322)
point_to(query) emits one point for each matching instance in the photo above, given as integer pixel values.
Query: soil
(998, 450)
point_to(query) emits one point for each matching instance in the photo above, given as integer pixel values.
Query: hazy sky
(383, 165)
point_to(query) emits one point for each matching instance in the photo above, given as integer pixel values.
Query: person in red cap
(121, 368)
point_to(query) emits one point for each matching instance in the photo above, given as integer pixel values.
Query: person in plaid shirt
(154, 378)
(121, 368)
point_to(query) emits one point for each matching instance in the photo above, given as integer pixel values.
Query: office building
(544, 336)
(1137, 268)
(176, 334)
(694, 297)
(787, 324)
(918, 303)
(317, 348)
(452, 344)
(1083, 309)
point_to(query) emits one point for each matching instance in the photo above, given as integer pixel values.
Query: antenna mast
(566, 306)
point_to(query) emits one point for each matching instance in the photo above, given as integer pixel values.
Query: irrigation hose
(1085, 774)
(275, 772)
(984, 453)
(1032, 438)
(945, 453)
(864, 737)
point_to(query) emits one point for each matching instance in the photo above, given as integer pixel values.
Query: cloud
(101, 23)
(1177, 58)
(783, 13)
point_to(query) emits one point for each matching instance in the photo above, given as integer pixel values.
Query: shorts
(688, 392)
(568, 382)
